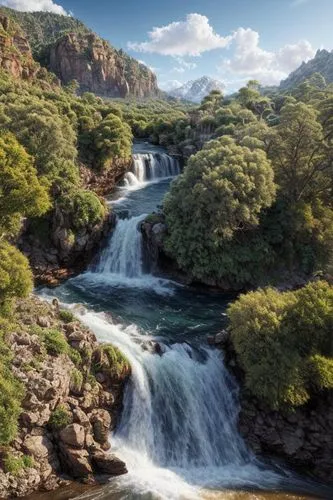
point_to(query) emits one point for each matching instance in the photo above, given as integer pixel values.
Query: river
(178, 432)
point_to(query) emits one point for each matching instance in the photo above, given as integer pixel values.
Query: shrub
(66, 316)
(75, 356)
(76, 380)
(13, 465)
(117, 361)
(11, 395)
(87, 209)
(15, 276)
(60, 417)
(321, 372)
(55, 342)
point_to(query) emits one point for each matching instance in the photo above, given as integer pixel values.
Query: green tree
(113, 140)
(222, 191)
(21, 192)
(302, 164)
(283, 342)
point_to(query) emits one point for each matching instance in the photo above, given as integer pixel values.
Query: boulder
(101, 423)
(73, 435)
(76, 461)
(104, 463)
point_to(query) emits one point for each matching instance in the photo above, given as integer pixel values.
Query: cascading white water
(151, 167)
(178, 432)
(123, 254)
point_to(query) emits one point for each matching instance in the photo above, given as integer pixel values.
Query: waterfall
(178, 432)
(123, 254)
(151, 167)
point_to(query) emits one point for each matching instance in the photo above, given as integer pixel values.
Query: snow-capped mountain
(196, 90)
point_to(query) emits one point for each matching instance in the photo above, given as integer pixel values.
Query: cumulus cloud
(35, 5)
(251, 61)
(191, 37)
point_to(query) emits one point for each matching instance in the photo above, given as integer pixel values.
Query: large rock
(73, 435)
(101, 423)
(76, 461)
(38, 446)
(104, 463)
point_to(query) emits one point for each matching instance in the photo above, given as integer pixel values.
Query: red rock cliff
(100, 68)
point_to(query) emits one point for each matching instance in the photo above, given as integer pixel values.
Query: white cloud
(183, 65)
(251, 61)
(191, 37)
(170, 85)
(35, 5)
(147, 65)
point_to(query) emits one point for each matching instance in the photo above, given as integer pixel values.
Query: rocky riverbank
(71, 390)
(54, 253)
(302, 438)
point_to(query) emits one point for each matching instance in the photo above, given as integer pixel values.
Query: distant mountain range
(321, 63)
(196, 90)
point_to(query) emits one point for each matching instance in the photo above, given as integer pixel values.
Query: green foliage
(321, 372)
(117, 362)
(11, 395)
(15, 276)
(301, 165)
(75, 356)
(220, 195)
(55, 342)
(76, 381)
(87, 209)
(14, 465)
(21, 193)
(283, 340)
(11, 390)
(112, 139)
(60, 417)
(66, 316)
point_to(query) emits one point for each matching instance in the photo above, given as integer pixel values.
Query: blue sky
(231, 40)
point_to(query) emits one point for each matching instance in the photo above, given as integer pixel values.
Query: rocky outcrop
(99, 68)
(301, 438)
(15, 54)
(68, 408)
(322, 63)
(103, 183)
(55, 253)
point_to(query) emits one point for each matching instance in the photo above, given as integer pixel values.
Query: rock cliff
(68, 48)
(99, 68)
(15, 53)
(72, 395)
(321, 63)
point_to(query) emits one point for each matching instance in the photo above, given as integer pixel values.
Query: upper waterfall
(151, 167)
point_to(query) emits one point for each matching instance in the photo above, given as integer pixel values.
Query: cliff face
(99, 68)
(15, 54)
(321, 63)
(68, 48)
